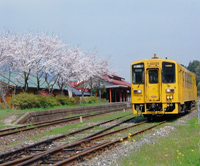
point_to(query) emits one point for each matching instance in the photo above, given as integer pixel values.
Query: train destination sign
(153, 63)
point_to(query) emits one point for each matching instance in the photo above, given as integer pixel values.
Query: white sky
(126, 30)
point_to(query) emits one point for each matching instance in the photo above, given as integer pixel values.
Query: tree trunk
(91, 87)
(100, 94)
(26, 85)
(2, 94)
(70, 91)
(4, 100)
(38, 84)
(61, 91)
(26, 75)
(82, 92)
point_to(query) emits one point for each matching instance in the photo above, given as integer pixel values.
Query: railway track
(73, 152)
(41, 154)
(40, 146)
(14, 130)
(94, 150)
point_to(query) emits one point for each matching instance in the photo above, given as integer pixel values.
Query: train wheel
(185, 108)
(189, 106)
(150, 118)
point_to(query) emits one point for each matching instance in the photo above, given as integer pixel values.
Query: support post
(123, 95)
(126, 95)
(110, 95)
(115, 95)
(120, 95)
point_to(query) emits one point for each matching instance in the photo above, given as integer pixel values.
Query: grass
(76, 126)
(180, 147)
(4, 113)
(110, 116)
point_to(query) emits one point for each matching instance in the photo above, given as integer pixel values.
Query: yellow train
(161, 87)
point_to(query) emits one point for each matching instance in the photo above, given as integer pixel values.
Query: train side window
(153, 76)
(183, 79)
(168, 72)
(138, 73)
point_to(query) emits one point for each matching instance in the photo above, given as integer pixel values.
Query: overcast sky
(125, 30)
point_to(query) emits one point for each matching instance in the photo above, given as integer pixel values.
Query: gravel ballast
(115, 155)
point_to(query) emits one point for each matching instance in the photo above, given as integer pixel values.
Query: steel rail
(22, 129)
(35, 158)
(34, 124)
(41, 124)
(49, 141)
(100, 147)
(50, 121)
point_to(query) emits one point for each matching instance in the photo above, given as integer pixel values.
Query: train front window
(153, 76)
(168, 72)
(138, 73)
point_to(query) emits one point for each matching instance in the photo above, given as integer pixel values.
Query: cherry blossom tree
(68, 67)
(7, 42)
(25, 57)
(48, 58)
(49, 51)
(90, 68)
(29, 54)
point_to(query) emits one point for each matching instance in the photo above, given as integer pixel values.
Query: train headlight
(169, 97)
(170, 90)
(136, 91)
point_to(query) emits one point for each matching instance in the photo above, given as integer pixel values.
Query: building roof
(16, 80)
(118, 81)
(110, 81)
(79, 93)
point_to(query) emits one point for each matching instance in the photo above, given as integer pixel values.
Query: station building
(11, 84)
(117, 89)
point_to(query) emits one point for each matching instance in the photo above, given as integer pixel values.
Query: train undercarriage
(153, 110)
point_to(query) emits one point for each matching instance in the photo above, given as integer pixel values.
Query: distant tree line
(195, 68)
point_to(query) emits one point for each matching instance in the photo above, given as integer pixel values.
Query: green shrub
(77, 98)
(71, 101)
(48, 101)
(84, 100)
(62, 100)
(1, 106)
(25, 100)
(103, 101)
(65, 100)
(91, 99)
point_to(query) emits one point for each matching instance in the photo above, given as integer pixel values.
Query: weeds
(180, 147)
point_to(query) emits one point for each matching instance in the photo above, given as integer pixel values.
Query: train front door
(153, 85)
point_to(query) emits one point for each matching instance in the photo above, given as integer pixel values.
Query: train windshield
(138, 73)
(168, 72)
(153, 76)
